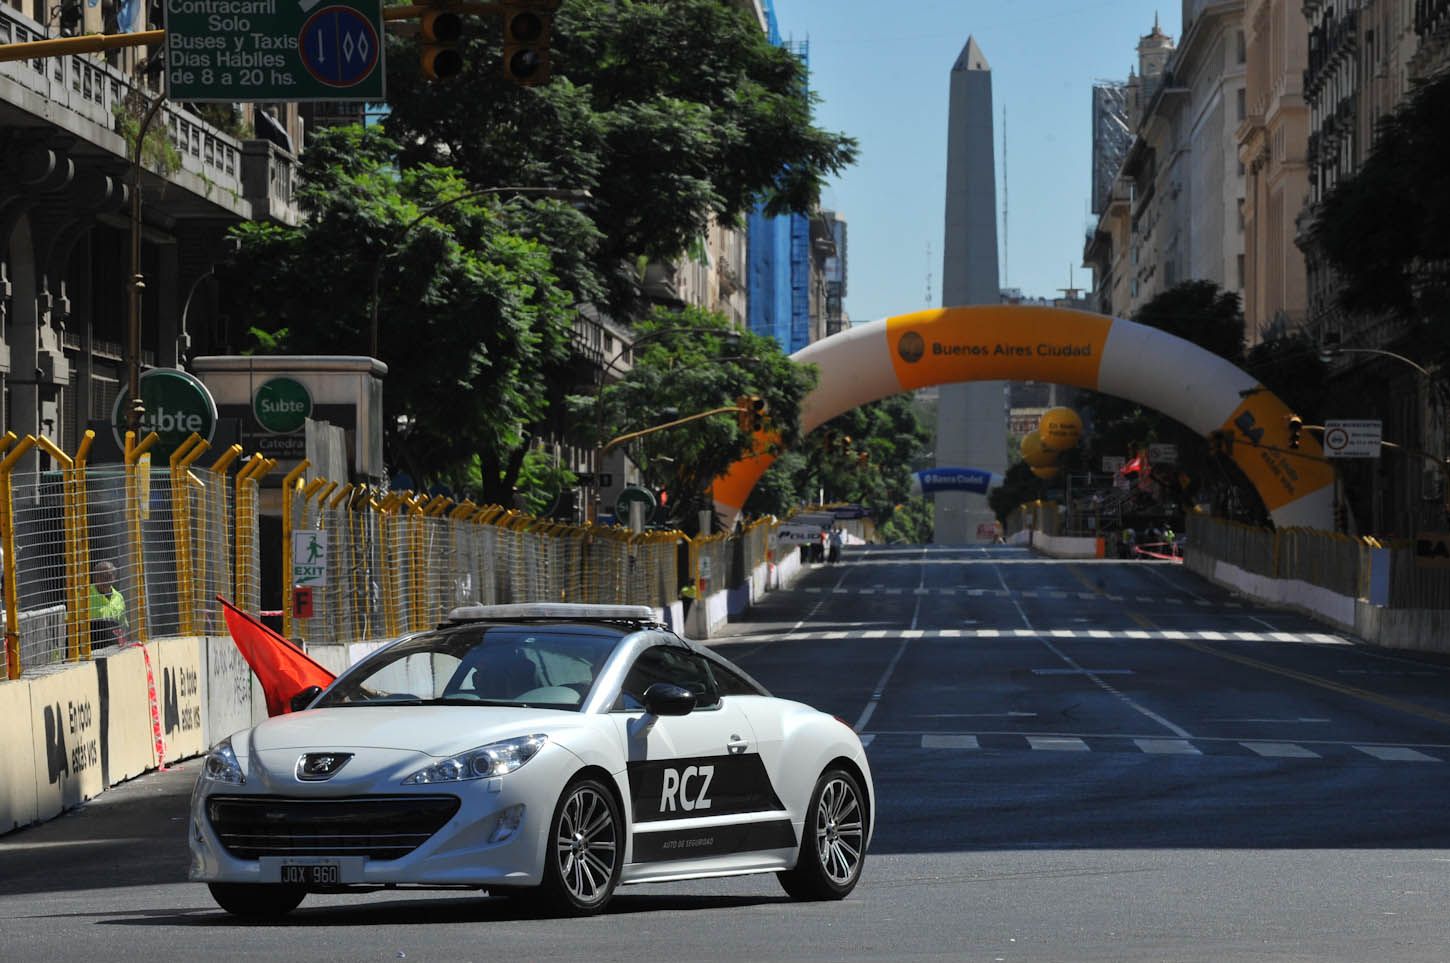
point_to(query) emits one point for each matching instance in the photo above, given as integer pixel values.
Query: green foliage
(470, 313)
(666, 112)
(687, 362)
(890, 432)
(909, 523)
(1386, 230)
(542, 479)
(157, 152)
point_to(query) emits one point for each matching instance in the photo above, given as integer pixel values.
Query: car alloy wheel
(840, 833)
(585, 854)
(833, 849)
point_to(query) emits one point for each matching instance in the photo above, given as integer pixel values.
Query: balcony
(1334, 40)
(93, 101)
(1431, 16)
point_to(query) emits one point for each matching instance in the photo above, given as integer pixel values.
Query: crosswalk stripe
(1280, 750)
(1057, 743)
(1397, 754)
(1024, 633)
(951, 633)
(1180, 747)
(834, 635)
(1326, 639)
(913, 633)
(1247, 636)
(948, 741)
(874, 634)
(1212, 636)
(840, 591)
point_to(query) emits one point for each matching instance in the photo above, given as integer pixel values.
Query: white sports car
(550, 752)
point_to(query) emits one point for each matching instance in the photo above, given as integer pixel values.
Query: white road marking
(949, 742)
(1280, 750)
(951, 633)
(874, 634)
(893, 591)
(1097, 680)
(1179, 747)
(1396, 754)
(1280, 722)
(867, 739)
(1082, 671)
(1327, 639)
(912, 634)
(1057, 744)
(867, 592)
(880, 689)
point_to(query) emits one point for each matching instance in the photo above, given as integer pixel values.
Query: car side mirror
(664, 699)
(306, 697)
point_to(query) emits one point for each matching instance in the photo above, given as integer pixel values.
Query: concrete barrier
(228, 703)
(18, 806)
(65, 743)
(1067, 546)
(128, 746)
(178, 661)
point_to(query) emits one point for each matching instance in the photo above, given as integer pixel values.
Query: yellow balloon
(1060, 428)
(1035, 453)
(1046, 472)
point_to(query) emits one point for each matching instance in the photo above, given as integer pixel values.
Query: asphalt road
(1074, 761)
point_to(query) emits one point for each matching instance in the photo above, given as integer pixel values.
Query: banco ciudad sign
(250, 50)
(177, 404)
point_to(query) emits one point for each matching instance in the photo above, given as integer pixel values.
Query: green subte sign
(282, 406)
(250, 50)
(177, 404)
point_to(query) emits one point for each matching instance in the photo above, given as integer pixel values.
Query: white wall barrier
(18, 805)
(1067, 546)
(65, 720)
(128, 745)
(228, 704)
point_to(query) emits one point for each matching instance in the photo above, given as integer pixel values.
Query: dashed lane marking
(1396, 754)
(1281, 750)
(1057, 744)
(949, 742)
(1181, 747)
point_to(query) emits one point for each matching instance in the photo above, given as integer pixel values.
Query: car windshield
(549, 666)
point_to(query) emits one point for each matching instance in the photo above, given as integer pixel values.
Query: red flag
(283, 669)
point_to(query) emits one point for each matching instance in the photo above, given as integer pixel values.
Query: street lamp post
(137, 282)
(560, 193)
(1331, 348)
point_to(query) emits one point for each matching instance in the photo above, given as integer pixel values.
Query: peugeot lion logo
(317, 766)
(911, 347)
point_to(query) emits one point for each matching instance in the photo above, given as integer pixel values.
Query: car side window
(666, 664)
(730, 682)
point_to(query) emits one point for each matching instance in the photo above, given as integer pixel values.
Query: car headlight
(221, 765)
(494, 759)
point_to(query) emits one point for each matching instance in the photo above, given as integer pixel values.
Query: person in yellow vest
(107, 607)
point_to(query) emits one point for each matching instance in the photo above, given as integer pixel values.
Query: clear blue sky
(881, 71)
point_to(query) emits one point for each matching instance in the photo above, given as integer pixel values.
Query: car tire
(257, 900)
(833, 842)
(585, 853)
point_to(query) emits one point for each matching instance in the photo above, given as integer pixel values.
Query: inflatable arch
(1061, 346)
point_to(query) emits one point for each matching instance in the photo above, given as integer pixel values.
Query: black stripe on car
(659, 847)
(700, 786)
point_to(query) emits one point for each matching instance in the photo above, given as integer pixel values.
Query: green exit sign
(259, 50)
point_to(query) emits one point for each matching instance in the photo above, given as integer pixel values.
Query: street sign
(1353, 439)
(309, 558)
(1163, 454)
(635, 493)
(177, 404)
(268, 50)
(282, 405)
(1114, 463)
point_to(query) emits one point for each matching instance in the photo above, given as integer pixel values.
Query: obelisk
(971, 421)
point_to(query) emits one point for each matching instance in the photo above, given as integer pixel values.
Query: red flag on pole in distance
(283, 669)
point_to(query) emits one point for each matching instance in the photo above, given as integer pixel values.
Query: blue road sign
(339, 46)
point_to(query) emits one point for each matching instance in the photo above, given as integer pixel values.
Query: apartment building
(1273, 145)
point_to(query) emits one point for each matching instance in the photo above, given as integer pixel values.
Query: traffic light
(439, 32)
(1296, 428)
(526, 28)
(759, 410)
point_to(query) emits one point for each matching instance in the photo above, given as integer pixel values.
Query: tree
(667, 113)
(1386, 230)
(891, 436)
(688, 362)
(470, 311)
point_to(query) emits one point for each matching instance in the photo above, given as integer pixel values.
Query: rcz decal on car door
(704, 786)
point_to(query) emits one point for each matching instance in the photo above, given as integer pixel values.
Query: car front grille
(378, 827)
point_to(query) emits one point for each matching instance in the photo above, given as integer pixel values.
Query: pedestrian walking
(835, 541)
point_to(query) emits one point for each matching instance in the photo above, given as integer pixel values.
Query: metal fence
(108, 554)
(172, 537)
(398, 562)
(1340, 563)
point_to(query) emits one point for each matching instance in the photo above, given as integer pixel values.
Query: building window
(1241, 272)
(1241, 100)
(1243, 50)
(1241, 215)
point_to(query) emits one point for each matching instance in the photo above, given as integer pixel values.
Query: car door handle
(737, 745)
